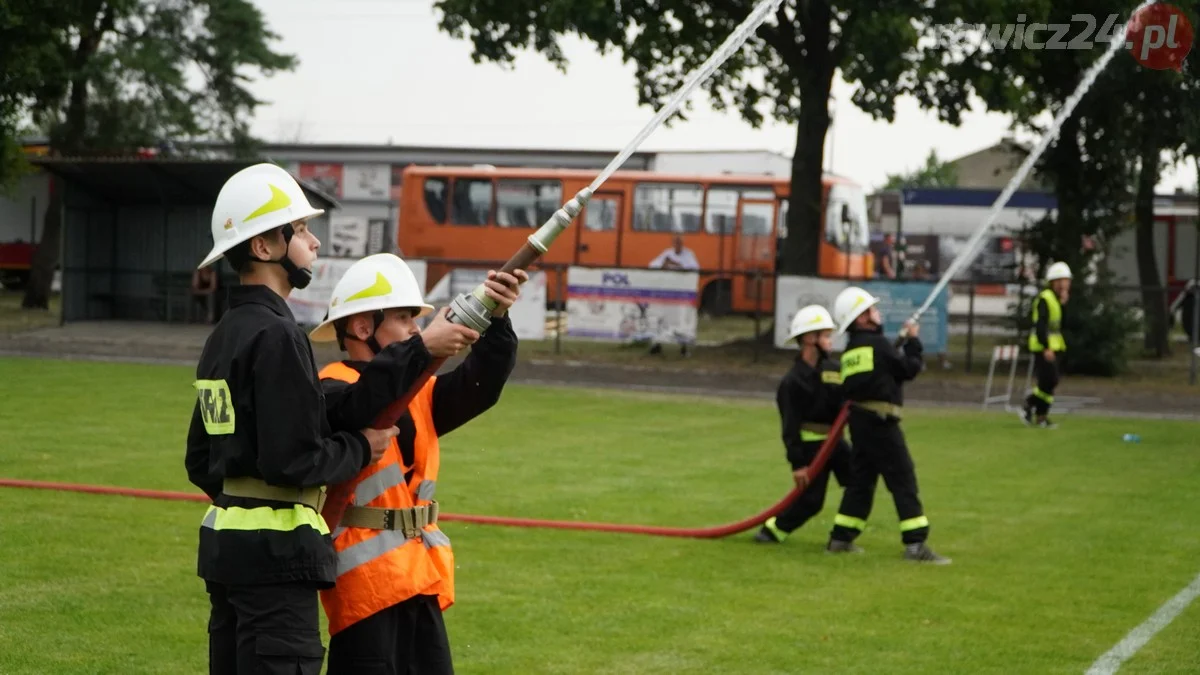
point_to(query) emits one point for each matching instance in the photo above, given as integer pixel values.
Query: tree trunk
(805, 229)
(1154, 299)
(69, 140)
(45, 256)
(814, 72)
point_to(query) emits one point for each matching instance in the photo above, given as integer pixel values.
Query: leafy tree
(935, 173)
(1092, 165)
(25, 65)
(785, 72)
(124, 74)
(1164, 111)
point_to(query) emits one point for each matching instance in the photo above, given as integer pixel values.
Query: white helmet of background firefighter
(851, 303)
(809, 319)
(254, 201)
(1059, 270)
(371, 285)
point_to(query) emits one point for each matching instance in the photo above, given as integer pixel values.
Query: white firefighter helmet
(255, 200)
(1059, 270)
(809, 319)
(380, 281)
(849, 304)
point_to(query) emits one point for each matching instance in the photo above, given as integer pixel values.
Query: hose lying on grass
(817, 466)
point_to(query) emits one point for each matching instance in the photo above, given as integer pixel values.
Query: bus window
(756, 224)
(601, 215)
(472, 202)
(846, 218)
(721, 206)
(435, 199)
(526, 203)
(667, 207)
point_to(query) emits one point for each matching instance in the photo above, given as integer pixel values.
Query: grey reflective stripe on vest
(376, 484)
(373, 486)
(435, 538)
(386, 541)
(366, 551)
(426, 489)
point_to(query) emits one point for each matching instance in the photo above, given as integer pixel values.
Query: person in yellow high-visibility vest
(1046, 343)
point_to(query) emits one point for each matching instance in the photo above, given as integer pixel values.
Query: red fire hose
(817, 466)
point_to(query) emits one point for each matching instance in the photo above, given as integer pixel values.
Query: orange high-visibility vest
(380, 568)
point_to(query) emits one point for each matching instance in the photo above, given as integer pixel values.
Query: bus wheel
(717, 298)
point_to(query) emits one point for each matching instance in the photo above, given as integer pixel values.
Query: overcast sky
(374, 71)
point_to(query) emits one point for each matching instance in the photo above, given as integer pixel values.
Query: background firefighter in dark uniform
(260, 445)
(1046, 343)
(809, 398)
(873, 370)
(385, 611)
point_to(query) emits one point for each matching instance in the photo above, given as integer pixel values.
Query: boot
(1026, 414)
(838, 546)
(769, 534)
(923, 554)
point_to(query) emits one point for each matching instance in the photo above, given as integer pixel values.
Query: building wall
(992, 168)
(116, 259)
(22, 213)
(1122, 259)
(756, 163)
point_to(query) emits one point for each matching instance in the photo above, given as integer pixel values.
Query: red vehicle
(15, 261)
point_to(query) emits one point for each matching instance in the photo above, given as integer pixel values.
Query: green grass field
(1062, 540)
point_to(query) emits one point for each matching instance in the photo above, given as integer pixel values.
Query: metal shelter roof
(156, 181)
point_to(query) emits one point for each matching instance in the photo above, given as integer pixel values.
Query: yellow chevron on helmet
(380, 281)
(255, 200)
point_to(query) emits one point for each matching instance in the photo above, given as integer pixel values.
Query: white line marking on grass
(1137, 638)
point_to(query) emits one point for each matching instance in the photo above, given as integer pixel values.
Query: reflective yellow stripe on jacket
(263, 518)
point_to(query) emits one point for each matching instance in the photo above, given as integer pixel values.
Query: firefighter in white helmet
(260, 445)
(809, 398)
(1046, 343)
(873, 373)
(395, 566)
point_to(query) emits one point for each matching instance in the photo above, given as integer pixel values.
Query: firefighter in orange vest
(395, 571)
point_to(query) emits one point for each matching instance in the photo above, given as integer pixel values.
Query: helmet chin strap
(377, 317)
(297, 277)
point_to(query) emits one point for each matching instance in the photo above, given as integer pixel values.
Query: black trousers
(812, 500)
(879, 450)
(270, 629)
(1047, 380)
(405, 639)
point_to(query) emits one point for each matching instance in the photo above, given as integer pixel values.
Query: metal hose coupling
(475, 310)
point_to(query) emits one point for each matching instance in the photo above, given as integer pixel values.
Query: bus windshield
(846, 218)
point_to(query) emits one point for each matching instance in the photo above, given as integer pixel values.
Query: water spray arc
(975, 243)
(474, 310)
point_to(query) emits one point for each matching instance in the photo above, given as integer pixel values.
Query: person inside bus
(883, 259)
(677, 257)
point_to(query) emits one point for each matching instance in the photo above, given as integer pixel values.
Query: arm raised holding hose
(475, 310)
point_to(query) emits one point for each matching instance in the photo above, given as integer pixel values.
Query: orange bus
(732, 223)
